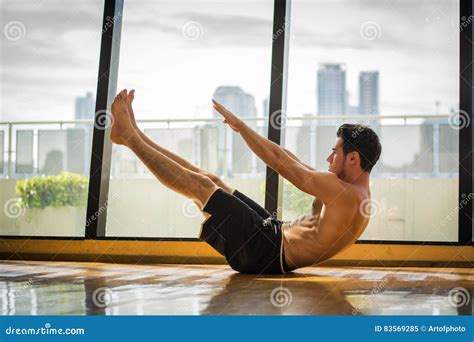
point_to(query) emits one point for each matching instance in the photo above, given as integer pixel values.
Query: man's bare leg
(170, 154)
(171, 174)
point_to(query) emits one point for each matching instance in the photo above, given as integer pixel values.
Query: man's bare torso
(329, 229)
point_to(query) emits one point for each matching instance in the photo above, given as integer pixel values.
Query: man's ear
(354, 158)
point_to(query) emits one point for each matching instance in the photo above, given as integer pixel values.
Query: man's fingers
(222, 110)
(218, 105)
(219, 110)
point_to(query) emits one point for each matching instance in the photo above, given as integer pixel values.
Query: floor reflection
(67, 288)
(289, 295)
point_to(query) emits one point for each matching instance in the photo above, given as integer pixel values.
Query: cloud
(61, 44)
(217, 29)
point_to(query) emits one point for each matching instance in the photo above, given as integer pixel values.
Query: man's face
(337, 160)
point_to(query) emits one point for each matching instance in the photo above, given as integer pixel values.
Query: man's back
(329, 229)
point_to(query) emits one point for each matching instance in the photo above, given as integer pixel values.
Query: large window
(396, 62)
(178, 56)
(49, 61)
(391, 64)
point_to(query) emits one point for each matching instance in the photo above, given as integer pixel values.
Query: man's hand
(229, 118)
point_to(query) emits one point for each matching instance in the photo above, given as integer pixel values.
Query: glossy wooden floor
(70, 288)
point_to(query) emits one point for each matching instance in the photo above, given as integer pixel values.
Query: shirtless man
(251, 239)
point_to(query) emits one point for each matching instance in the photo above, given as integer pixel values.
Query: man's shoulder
(351, 194)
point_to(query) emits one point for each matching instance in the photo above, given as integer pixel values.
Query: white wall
(406, 209)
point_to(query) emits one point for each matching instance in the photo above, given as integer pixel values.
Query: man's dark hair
(362, 139)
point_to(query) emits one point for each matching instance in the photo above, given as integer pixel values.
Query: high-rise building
(234, 157)
(352, 110)
(236, 100)
(77, 159)
(331, 89)
(266, 108)
(84, 107)
(369, 93)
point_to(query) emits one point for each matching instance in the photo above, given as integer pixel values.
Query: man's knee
(213, 177)
(204, 188)
(216, 180)
(205, 182)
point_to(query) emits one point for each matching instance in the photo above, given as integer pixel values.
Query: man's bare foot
(131, 113)
(122, 128)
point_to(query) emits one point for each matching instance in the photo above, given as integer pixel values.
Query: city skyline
(427, 150)
(40, 83)
(84, 107)
(331, 89)
(243, 104)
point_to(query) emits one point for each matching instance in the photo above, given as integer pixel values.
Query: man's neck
(361, 179)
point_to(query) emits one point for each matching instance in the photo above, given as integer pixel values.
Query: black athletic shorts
(245, 233)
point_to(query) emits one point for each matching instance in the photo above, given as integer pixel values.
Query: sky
(175, 53)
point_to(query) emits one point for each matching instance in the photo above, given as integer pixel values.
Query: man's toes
(130, 97)
(124, 95)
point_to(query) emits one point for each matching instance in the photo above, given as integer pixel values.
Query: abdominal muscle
(299, 243)
(313, 238)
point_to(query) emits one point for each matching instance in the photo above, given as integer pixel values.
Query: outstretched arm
(324, 185)
(309, 167)
(265, 149)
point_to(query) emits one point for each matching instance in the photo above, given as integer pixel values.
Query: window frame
(100, 165)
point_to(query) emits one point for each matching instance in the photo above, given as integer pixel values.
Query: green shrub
(65, 189)
(294, 199)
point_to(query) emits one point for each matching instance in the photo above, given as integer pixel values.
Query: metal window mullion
(277, 101)
(466, 126)
(101, 146)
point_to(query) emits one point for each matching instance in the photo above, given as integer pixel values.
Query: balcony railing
(412, 200)
(413, 145)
